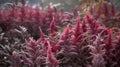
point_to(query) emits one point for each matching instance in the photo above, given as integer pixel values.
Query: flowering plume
(77, 32)
(66, 33)
(99, 11)
(93, 24)
(84, 27)
(106, 11)
(97, 52)
(109, 39)
(51, 60)
(37, 14)
(113, 9)
(42, 36)
(50, 46)
(56, 46)
(33, 57)
(77, 28)
(53, 27)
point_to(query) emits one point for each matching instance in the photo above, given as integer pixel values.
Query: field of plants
(82, 37)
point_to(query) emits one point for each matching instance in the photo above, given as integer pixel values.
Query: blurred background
(62, 4)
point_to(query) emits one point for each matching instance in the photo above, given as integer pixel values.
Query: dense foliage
(49, 38)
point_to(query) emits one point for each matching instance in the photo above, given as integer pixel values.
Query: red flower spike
(37, 14)
(91, 22)
(23, 13)
(91, 9)
(50, 57)
(34, 53)
(106, 11)
(53, 28)
(52, 25)
(30, 11)
(99, 11)
(109, 39)
(77, 30)
(45, 44)
(32, 44)
(84, 25)
(112, 9)
(90, 19)
(56, 46)
(42, 36)
(66, 32)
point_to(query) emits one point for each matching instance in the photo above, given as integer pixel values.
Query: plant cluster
(32, 18)
(107, 13)
(50, 38)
